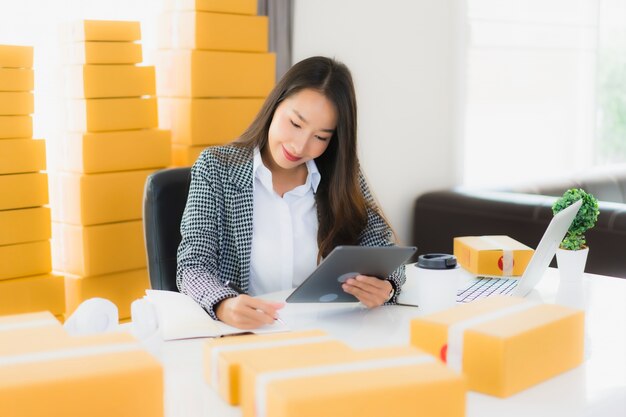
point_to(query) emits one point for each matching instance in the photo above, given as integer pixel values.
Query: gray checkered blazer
(216, 227)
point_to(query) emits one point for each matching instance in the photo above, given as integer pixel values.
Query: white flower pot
(571, 263)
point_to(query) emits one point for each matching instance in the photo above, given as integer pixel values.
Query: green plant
(584, 220)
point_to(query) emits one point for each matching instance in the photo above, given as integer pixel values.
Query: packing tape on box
(71, 353)
(454, 354)
(216, 350)
(367, 365)
(6, 327)
(507, 255)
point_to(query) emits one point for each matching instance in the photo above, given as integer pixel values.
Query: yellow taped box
(391, 381)
(13, 56)
(24, 225)
(25, 259)
(23, 190)
(103, 30)
(193, 73)
(16, 79)
(98, 250)
(33, 293)
(89, 199)
(108, 114)
(107, 81)
(487, 255)
(213, 31)
(22, 155)
(102, 53)
(525, 344)
(185, 156)
(16, 127)
(21, 332)
(220, 6)
(121, 288)
(91, 153)
(207, 121)
(223, 373)
(115, 378)
(16, 103)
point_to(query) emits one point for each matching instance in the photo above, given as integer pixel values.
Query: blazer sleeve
(379, 233)
(198, 269)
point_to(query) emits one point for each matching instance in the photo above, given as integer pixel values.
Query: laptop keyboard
(485, 286)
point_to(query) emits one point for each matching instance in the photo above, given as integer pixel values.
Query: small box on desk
(223, 357)
(395, 381)
(102, 30)
(492, 255)
(24, 331)
(109, 373)
(503, 344)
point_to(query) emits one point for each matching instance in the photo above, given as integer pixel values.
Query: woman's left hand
(371, 291)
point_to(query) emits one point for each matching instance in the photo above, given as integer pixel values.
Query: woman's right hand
(245, 312)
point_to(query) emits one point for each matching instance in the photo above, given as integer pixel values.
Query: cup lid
(436, 261)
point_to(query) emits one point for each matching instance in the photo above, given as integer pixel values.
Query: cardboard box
(22, 155)
(114, 378)
(108, 81)
(16, 79)
(90, 199)
(185, 156)
(16, 127)
(16, 103)
(13, 56)
(207, 121)
(102, 53)
(492, 255)
(98, 250)
(25, 259)
(192, 73)
(32, 293)
(24, 225)
(23, 190)
(100, 115)
(505, 344)
(222, 357)
(394, 381)
(92, 153)
(27, 330)
(220, 6)
(213, 31)
(122, 288)
(103, 30)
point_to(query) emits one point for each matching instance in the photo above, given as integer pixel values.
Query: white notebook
(180, 317)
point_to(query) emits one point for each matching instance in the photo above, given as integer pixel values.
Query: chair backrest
(165, 197)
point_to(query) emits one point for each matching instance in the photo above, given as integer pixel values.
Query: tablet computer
(324, 284)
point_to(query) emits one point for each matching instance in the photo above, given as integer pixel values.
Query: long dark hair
(341, 206)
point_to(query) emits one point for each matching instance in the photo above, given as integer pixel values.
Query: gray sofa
(524, 213)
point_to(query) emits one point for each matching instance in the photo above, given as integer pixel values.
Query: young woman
(265, 209)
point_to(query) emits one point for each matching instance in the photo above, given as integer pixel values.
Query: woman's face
(301, 129)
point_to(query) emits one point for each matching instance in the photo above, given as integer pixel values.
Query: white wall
(403, 56)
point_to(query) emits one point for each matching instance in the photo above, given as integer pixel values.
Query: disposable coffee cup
(437, 278)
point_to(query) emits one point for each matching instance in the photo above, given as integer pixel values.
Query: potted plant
(572, 253)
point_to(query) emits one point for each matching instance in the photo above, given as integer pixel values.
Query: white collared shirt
(284, 238)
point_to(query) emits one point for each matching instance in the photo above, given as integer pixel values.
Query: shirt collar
(260, 171)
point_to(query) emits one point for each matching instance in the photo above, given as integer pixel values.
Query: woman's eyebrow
(305, 121)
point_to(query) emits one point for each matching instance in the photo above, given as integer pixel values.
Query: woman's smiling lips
(289, 156)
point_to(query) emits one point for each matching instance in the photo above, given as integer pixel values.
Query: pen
(238, 290)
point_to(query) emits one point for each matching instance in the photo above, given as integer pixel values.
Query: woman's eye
(321, 138)
(295, 124)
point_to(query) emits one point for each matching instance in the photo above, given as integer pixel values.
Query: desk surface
(596, 388)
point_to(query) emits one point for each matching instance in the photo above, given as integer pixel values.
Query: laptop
(485, 286)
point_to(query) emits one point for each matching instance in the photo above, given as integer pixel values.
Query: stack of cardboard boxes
(112, 146)
(26, 283)
(213, 72)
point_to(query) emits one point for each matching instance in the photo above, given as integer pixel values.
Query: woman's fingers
(246, 312)
(371, 291)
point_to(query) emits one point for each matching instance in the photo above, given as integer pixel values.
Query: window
(530, 87)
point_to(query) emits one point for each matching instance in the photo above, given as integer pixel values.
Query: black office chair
(165, 196)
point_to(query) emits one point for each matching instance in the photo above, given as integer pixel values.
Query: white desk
(597, 388)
